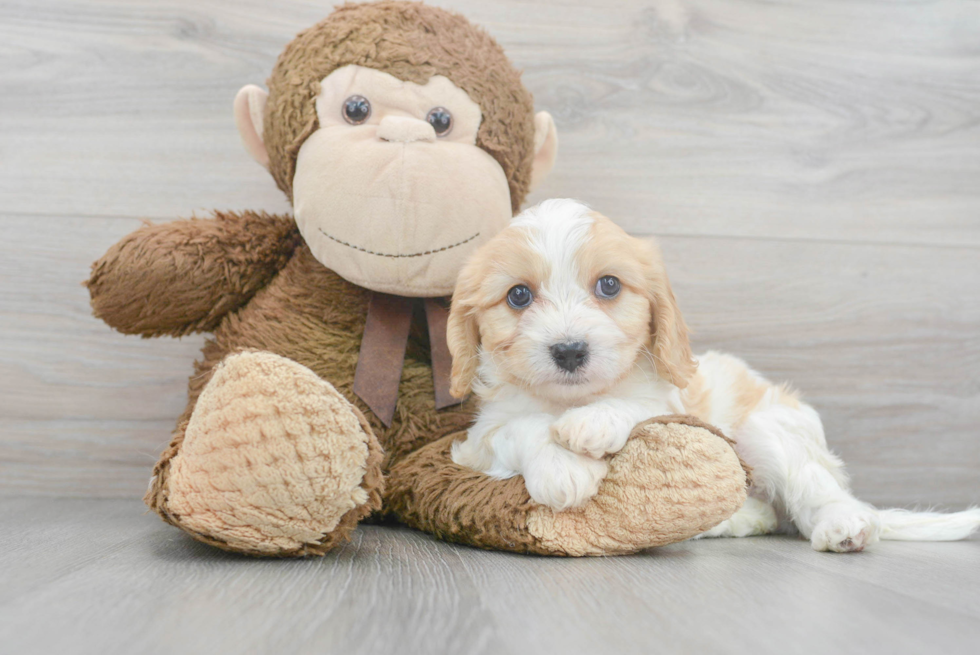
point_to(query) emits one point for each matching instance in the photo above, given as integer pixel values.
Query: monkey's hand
(185, 276)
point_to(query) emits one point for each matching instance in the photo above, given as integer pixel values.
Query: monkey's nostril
(570, 355)
(401, 129)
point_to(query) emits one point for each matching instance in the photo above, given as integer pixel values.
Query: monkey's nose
(570, 355)
(402, 129)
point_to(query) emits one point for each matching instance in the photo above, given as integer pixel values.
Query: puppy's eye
(356, 110)
(441, 120)
(607, 287)
(519, 297)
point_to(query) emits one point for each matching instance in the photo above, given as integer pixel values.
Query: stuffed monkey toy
(404, 139)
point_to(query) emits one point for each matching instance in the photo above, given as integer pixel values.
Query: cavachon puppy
(567, 330)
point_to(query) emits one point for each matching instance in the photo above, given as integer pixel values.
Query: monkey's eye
(519, 297)
(356, 110)
(607, 287)
(441, 120)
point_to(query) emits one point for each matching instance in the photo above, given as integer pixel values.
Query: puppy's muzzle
(570, 355)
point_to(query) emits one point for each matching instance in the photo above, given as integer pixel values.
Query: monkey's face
(391, 191)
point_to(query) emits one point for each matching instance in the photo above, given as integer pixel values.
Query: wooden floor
(99, 576)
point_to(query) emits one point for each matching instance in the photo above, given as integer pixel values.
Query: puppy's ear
(463, 333)
(670, 345)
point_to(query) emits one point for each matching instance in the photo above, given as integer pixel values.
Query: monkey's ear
(249, 115)
(545, 148)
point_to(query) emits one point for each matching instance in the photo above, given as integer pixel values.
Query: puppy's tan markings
(480, 312)
(697, 397)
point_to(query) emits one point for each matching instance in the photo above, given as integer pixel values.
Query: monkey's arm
(185, 276)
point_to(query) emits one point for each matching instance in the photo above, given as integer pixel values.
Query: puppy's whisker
(646, 375)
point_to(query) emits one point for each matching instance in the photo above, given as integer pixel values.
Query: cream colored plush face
(387, 203)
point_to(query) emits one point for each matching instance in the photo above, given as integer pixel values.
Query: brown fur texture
(189, 275)
(412, 42)
(308, 314)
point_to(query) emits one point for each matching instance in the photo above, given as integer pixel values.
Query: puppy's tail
(905, 525)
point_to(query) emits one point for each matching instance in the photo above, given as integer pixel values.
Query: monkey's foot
(674, 479)
(274, 461)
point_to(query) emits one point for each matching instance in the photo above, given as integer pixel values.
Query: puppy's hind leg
(785, 445)
(756, 517)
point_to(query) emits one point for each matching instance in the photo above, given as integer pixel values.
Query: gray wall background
(811, 168)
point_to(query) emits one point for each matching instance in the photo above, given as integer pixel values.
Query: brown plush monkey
(404, 138)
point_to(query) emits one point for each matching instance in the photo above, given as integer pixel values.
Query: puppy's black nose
(570, 355)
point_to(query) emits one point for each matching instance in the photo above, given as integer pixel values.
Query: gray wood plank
(99, 577)
(921, 570)
(800, 119)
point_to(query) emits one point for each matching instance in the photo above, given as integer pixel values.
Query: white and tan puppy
(567, 330)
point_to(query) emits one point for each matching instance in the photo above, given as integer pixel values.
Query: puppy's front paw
(561, 479)
(845, 528)
(592, 431)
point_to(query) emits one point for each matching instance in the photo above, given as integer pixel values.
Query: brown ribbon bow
(382, 355)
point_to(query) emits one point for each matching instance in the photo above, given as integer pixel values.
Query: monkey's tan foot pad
(274, 461)
(674, 479)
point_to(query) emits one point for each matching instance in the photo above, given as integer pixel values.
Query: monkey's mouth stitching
(395, 255)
